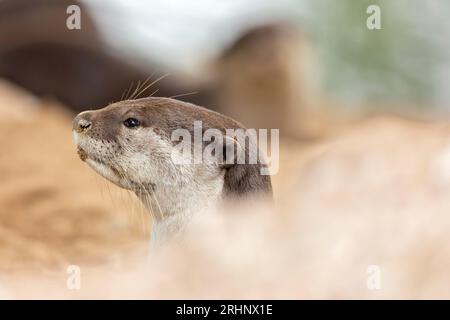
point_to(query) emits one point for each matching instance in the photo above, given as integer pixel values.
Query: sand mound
(53, 209)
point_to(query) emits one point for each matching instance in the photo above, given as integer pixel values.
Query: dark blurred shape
(260, 79)
(39, 53)
(263, 78)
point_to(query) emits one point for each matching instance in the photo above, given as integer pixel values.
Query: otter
(130, 143)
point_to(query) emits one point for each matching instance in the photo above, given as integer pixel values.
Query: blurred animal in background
(265, 78)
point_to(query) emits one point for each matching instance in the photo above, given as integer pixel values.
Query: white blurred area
(182, 35)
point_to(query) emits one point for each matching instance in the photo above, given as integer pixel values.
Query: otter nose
(81, 123)
(84, 124)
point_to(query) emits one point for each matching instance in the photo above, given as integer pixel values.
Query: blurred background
(363, 118)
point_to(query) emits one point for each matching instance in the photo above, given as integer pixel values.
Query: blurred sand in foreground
(375, 193)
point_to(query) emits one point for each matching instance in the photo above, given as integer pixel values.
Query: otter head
(124, 144)
(130, 143)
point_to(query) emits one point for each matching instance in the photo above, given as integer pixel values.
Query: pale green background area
(407, 60)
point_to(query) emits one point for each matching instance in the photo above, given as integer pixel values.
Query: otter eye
(131, 123)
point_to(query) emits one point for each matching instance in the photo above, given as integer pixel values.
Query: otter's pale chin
(103, 170)
(109, 173)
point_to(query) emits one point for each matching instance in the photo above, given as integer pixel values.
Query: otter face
(129, 144)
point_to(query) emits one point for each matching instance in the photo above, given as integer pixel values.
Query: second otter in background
(266, 79)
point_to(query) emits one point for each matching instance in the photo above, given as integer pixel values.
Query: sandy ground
(54, 211)
(374, 194)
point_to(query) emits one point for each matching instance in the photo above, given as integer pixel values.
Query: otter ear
(231, 148)
(243, 179)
